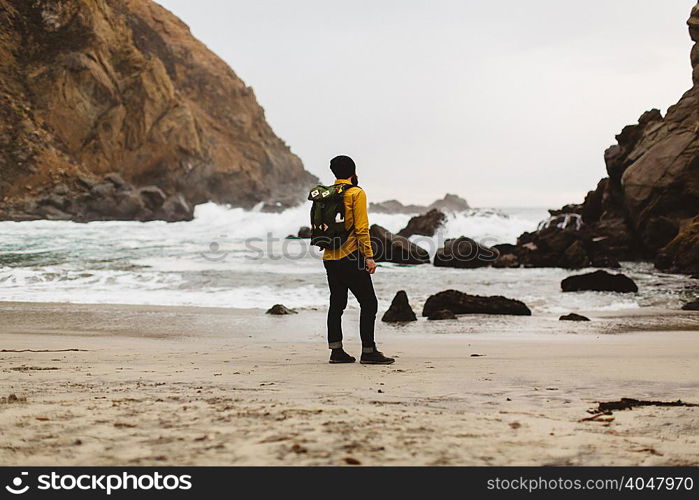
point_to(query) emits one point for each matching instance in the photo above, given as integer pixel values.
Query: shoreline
(115, 318)
(159, 385)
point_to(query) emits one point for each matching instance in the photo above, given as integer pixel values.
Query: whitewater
(230, 257)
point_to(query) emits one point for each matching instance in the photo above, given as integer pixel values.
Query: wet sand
(177, 386)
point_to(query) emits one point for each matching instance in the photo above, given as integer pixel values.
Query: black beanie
(343, 167)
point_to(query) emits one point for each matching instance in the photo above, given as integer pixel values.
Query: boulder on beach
(464, 253)
(573, 317)
(691, 306)
(280, 309)
(389, 247)
(441, 314)
(599, 281)
(463, 303)
(424, 225)
(400, 310)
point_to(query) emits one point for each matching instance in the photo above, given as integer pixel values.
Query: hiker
(340, 225)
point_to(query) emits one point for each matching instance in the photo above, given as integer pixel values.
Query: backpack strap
(349, 186)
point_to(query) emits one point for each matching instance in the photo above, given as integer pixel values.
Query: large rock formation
(424, 225)
(648, 207)
(450, 203)
(652, 192)
(92, 87)
(395, 207)
(555, 245)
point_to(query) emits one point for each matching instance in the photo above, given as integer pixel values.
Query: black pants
(349, 274)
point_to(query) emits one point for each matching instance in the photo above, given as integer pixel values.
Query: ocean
(230, 257)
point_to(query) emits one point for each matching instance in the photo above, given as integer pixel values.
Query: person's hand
(370, 266)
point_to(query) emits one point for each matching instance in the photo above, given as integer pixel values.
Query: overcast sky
(506, 103)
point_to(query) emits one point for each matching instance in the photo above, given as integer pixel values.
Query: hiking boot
(375, 358)
(340, 356)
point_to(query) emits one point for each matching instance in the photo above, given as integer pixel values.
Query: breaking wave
(230, 257)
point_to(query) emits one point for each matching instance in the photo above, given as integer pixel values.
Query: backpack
(328, 216)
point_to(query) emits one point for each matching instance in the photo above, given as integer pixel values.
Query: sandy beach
(176, 386)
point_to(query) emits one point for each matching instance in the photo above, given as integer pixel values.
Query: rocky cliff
(653, 178)
(648, 206)
(450, 203)
(111, 109)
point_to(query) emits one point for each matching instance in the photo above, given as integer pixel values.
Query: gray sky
(507, 103)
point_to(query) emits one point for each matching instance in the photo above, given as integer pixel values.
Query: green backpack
(328, 216)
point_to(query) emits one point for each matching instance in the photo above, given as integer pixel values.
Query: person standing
(349, 268)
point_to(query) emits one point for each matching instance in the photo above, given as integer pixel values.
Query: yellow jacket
(355, 215)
